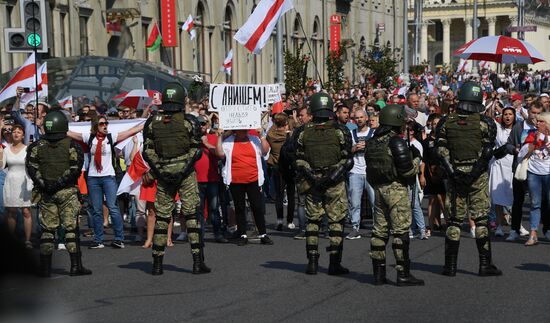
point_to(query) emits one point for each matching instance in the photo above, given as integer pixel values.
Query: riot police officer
(323, 158)
(54, 163)
(391, 169)
(171, 148)
(465, 140)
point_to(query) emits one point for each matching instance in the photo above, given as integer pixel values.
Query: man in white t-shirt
(357, 182)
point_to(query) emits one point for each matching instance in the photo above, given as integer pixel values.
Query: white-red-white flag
(256, 31)
(23, 78)
(463, 66)
(42, 87)
(485, 65)
(67, 102)
(131, 182)
(227, 63)
(188, 27)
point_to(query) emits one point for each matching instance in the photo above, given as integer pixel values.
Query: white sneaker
(182, 236)
(291, 226)
(177, 224)
(499, 232)
(61, 246)
(523, 232)
(473, 232)
(547, 235)
(513, 236)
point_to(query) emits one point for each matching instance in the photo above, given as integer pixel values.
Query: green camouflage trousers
(393, 215)
(333, 203)
(475, 202)
(59, 209)
(164, 205)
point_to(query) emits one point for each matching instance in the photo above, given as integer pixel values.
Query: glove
(147, 179)
(462, 181)
(323, 184)
(50, 187)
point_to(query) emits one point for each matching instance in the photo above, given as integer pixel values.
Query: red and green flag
(155, 39)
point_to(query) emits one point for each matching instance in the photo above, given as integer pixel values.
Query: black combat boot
(451, 255)
(76, 265)
(405, 278)
(379, 270)
(313, 263)
(157, 265)
(486, 267)
(335, 267)
(199, 267)
(45, 266)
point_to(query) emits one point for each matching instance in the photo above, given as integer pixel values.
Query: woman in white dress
(18, 186)
(501, 174)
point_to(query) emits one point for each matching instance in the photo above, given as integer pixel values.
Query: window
(438, 59)
(61, 44)
(84, 49)
(438, 31)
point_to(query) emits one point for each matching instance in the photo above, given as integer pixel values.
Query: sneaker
(96, 245)
(423, 235)
(499, 232)
(547, 235)
(473, 232)
(285, 202)
(411, 234)
(117, 244)
(61, 246)
(243, 240)
(138, 238)
(523, 232)
(291, 226)
(353, 235)
(513, 236)
(182, 236)
(266, 240)
(300, 236)
(177, 224)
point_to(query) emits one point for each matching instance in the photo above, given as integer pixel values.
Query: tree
(335, 65)
(294, 70)
(380, 64)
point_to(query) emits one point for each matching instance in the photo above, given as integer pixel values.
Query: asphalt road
(258, 283)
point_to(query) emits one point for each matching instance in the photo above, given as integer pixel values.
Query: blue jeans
(418, 214)
(538, 185)
(357, 184)
(210, 192)
(97, 188)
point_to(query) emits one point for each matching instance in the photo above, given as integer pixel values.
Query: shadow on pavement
(146, 267)
(534, 267)
(300, 268)
(435, 269)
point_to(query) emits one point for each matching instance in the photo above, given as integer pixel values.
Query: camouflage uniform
(465, 142)
(54, 166)
(171, 148)
(322, 161)
(392, 169)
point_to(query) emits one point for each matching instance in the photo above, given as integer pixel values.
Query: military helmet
(393, 115)
(321, 105)
(470, 97)
(56, 125)
(173, 97)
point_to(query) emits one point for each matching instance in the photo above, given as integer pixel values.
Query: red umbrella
(136, 99)
(500, 49)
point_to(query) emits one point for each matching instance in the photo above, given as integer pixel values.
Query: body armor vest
(464, 137)
(380, 165)
(172, 139)
(322, 146)
(54, 159)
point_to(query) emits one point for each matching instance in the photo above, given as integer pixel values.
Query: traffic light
(33, 31)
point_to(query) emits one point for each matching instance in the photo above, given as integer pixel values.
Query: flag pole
(215, 78)
(35, 50)
(311, 52)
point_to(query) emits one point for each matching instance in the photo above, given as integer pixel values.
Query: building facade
(446, 25)
(79, 27)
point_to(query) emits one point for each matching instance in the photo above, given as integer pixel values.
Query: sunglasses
(126, 111)
(106, 123)
(203, 124)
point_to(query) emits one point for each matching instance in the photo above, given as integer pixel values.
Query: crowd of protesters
(254, 167)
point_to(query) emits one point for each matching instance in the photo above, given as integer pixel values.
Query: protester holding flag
(101, 175)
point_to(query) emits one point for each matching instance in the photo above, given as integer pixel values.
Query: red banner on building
(169, 24)
(335, 21)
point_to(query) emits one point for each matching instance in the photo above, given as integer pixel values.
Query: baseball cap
(544, 95)
(501, 91)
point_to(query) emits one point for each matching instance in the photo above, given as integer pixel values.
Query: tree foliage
(380, 64)
(294, 70)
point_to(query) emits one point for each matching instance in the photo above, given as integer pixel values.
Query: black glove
(50, 187)
(462, 181)
(324, 183)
